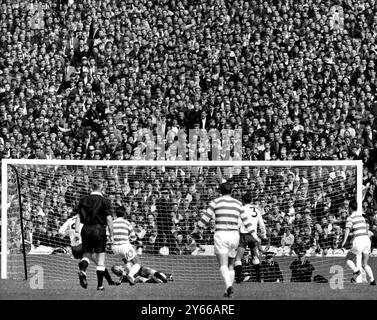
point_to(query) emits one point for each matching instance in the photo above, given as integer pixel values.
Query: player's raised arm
(65, 228)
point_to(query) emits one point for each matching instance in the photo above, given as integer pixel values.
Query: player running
(360, 244)
(226, 211)
(68, 229)
(247, 240)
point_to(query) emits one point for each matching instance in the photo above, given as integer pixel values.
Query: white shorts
(125, 250)
(361, 245)
(226, 242)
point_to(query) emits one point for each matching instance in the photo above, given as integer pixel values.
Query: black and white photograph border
(186, 81)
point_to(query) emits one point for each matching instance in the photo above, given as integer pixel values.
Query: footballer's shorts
(361, 245)
(77, 251)
(226, 242)
(247, 241)
(93, 238)
(126, 250)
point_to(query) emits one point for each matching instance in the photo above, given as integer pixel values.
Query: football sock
(369, 272)
(231, 273)
(83, 264)
(351, 264)
(135, 269)
(107, 276)
(100, 274)
(238, 270)
(224, 270)
(257, 271)
(158, 275)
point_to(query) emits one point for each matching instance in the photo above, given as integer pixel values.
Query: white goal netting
(304, 206)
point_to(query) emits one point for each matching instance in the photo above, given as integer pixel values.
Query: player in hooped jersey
(123, 234)
(247, 240)
(226, 212)
(68, 228)
(361, 242)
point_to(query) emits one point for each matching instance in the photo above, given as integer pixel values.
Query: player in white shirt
(68, 229)
(247, 240)
(361, 242)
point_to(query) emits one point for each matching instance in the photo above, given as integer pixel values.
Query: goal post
(4, 218)
(269, 180)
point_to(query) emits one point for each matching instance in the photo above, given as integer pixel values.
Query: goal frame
(60, 162)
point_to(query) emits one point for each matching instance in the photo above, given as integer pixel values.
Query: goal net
(304, 206)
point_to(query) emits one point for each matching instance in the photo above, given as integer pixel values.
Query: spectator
(288, 238)
(164, 223)
(275, 238)
(315, 243)
(270, 269)
(301, 268)
(298, 244)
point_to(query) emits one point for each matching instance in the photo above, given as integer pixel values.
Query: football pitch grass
(191, 281)
(184, 290)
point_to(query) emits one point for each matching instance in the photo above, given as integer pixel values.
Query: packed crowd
(88, 79)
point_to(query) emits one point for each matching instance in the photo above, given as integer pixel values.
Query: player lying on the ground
(68, 228)
(144, 275)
